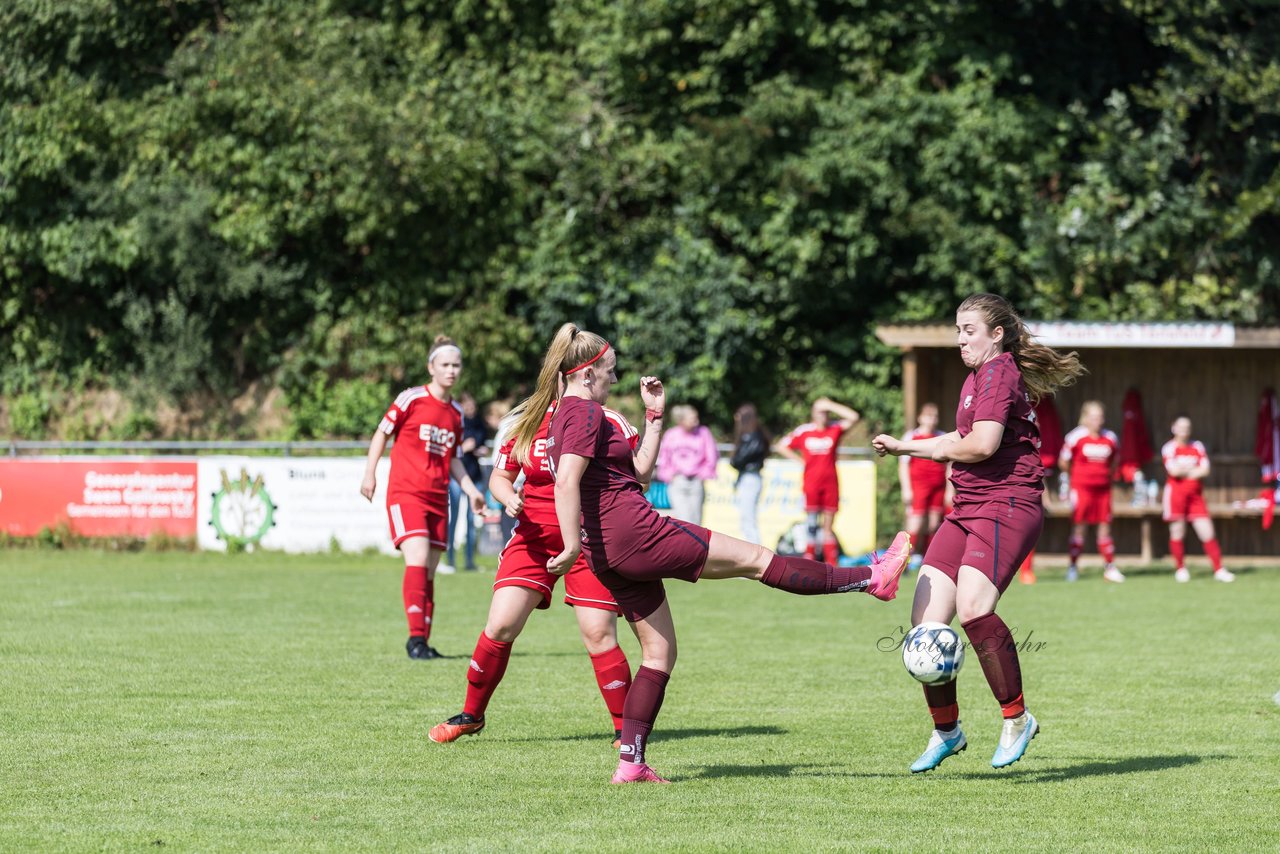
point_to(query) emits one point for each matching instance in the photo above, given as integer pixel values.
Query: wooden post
(1146, 540)
(910, 393)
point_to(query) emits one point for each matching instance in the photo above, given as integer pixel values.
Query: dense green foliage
(196, 702)
(199, 195)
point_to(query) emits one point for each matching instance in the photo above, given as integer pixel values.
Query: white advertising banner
(1102, 334)
(292, 504)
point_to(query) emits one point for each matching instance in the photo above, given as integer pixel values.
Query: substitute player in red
(818, 444)
(998, 478)
(524, 583)
(602, 511)
(1187, 464)
(1089, 455)
(426, 426)
(923, 483)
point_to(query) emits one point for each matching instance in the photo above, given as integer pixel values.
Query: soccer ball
(932, 653)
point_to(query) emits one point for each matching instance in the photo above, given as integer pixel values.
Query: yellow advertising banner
(782, 503)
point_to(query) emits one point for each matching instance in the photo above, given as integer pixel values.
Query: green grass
(261, 702)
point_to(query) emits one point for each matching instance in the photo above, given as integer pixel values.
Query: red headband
(590, 361)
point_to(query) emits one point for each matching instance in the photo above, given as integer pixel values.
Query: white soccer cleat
(1224, 574)
(1113, 575)
(1182, 575)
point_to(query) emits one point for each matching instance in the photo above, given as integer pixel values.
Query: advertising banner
(293, 504)
(98, 497)
(781, 505)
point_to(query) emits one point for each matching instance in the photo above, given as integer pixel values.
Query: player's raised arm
(654, 397)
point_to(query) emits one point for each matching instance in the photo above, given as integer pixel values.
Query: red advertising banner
(98, 498)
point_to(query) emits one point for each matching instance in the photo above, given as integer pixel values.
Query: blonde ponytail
(570, 347)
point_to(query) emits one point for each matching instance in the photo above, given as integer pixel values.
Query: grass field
(262, 702)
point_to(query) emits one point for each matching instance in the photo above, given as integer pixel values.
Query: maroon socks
(943, 707)
(488, 663)
(613, 675)
(993, 643)
(811, 578)
(644, 701)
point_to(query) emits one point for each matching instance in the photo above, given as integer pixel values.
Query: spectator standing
(687, 458)
(750, 449)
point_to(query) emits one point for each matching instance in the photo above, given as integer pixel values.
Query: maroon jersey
(426, 431)
(996, 392)
(616, 517)
(538, 519)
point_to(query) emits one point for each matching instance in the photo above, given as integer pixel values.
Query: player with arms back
(1089, 455)
(1187, 463)
(818, 444)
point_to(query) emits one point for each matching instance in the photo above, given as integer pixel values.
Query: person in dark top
(471, 447)
(750, 449)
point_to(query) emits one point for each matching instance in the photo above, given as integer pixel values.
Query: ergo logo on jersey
(437, 435)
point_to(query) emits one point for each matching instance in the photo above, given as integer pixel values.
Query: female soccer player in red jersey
(1187, 464)
(1089, 455)
(524, 583)
(427, 427)
(602, 511)
(997, 473)
(818, 444)
(923, 483)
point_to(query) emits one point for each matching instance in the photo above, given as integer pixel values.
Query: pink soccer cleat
(635, 772)
(886, 571)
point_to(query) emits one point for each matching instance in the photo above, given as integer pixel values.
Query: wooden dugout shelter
(1212, 372)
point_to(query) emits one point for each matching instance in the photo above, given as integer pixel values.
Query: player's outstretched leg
(729, 557)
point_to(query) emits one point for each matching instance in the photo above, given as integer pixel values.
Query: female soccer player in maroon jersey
(524, 583)
(997, 517)
(427, 426)
(602, 511)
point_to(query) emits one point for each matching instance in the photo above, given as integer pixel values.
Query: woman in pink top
(603, 514)
(998, 479)
(687, 458)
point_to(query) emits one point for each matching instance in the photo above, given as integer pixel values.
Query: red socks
(1179, 552)
(488, 664)
(810, 578)
(831, 552)
(1107, 548)
(1075, 547)
(1214, 553)
(416, 597)
(613, 675)
(993, 643)
(644, 701)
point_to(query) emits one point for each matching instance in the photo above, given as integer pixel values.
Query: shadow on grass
(663, 735)
(1099, 768)
(712, 772)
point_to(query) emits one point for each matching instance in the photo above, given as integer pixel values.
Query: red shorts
(928, 497)
(1183, 504)
(679, 550)
(524, 564)
(822, 496)
(993, 537)
(414, 516)
(1091, 505)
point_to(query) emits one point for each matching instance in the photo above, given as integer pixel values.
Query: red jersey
(426, 430)
(996, 392)
(537, 520)
(819, 447)
(1090, 457)
(616, 517)
(925, 473)
(1193, 452)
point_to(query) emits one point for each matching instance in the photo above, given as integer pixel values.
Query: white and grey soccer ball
(932, 653)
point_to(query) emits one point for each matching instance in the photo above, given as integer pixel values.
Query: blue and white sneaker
(941, 745)
(1072, 573)
(1014, 738)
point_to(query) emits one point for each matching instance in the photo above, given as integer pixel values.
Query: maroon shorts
(414, 516)
(1091, 505)
(993, 537)
(524, 564)
(822, 496)
(928, 497)
(678, 550)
